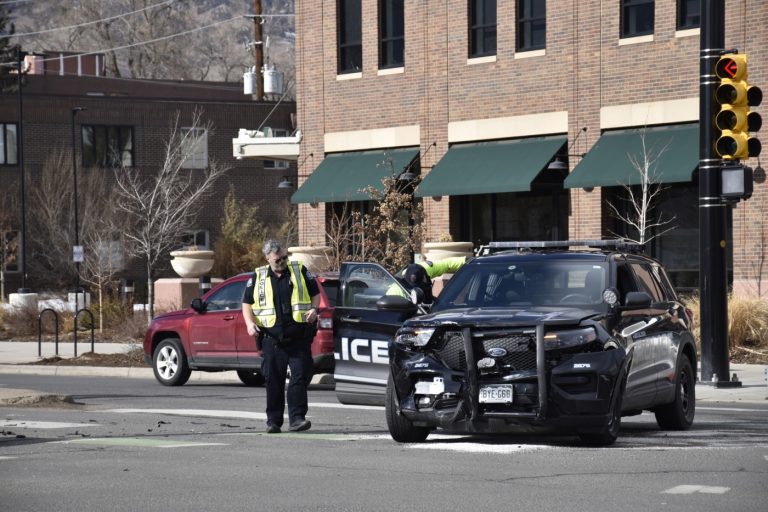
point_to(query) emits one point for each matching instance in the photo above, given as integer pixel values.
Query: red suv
(211, 336)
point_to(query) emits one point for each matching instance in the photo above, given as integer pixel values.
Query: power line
(106, 50)
(85, 24)
(8, 2)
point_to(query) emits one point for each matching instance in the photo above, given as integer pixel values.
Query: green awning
(672, 152)
(344, 176)
(490, 167)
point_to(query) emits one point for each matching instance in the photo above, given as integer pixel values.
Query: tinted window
(391, 33)
(636, 17)
(688, 14)
(331, 288)
(482, 28)
(531, 24)
(227, 298)
(525, 284)
(350, 34)
(366, 283)
(647, 282)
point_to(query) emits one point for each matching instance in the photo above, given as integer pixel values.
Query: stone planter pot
(314, 258)
(192, 263)
(435, 251)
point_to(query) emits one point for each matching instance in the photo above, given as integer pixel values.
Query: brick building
(135, 116)
(522, 116)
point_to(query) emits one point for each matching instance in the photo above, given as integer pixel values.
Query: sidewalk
(15, 358)
(19, 358)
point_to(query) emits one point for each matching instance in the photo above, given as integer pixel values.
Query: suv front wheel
(400, 428)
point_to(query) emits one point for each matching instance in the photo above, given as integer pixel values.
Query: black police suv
(565, 336)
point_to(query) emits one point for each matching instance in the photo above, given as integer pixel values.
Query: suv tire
(400, 428)
(169, 362)
(610, 433)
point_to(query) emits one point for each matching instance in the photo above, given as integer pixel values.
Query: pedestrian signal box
(734, 120)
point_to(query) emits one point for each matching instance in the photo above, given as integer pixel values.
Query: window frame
(684, 17)
(625, 6)
(481, 28)
(198, 158)
(4, 133)
(107, 133)
(349, 46)
(391, 33)
(524, 26)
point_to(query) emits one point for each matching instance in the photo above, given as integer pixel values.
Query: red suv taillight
(325, 320)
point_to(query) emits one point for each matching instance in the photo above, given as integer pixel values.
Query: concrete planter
(315, 259)
(435, 251)
(192, 263)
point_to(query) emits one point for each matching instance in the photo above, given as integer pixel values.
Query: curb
(132, 372)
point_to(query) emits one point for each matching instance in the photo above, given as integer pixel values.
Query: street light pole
(75, 110)
(22, 193)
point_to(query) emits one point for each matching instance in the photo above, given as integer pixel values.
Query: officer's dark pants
(277, 359)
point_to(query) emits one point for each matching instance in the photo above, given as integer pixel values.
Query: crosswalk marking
(137, 441)
(690, 489)
(43, 424)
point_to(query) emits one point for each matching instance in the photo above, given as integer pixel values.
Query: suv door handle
(229, 317)
(351, 319)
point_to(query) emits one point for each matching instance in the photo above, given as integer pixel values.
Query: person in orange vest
(280, 305)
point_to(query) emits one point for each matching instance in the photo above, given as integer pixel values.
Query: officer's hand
(252, 330)
(310, 316)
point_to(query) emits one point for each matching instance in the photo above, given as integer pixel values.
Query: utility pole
(713, 317)
(258, 49)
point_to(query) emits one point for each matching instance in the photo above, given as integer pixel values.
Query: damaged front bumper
(552, 392)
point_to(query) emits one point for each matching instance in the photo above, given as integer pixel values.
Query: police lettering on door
(363, 350)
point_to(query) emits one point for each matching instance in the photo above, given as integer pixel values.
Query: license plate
(496, 394)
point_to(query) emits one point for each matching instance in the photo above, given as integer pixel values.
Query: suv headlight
(569, 338)
(415, 337)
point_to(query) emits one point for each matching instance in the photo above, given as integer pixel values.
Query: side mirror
(396, 303)
(637, 300)
(198, 305)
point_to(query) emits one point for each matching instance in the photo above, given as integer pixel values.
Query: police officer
(420, 275)
(280, 305)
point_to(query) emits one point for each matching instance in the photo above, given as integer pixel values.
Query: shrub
(747, 320)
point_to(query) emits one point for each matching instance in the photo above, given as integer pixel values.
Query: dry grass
(747, 327)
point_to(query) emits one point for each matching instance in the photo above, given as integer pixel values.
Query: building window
(636, 18)
(482, 28)
(531, 25)
(350, 28)
(391, 33)
(196, 238)
(688, 14)
(107, 146)
(9, 251)
(277, 164)
(8, 154)
(197, 154)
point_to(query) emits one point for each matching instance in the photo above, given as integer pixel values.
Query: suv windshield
(525, 283)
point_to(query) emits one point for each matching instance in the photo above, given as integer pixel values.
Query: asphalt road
(131, 444)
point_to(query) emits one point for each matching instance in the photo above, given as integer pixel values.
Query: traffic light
(734, 120)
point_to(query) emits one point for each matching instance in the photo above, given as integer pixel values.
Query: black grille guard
(473, 389)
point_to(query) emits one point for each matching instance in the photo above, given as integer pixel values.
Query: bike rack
(40, 331)
(84, 310)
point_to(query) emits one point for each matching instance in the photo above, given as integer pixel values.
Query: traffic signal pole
(713, 317)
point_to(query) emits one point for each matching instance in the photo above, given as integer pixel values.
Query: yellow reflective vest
(264, 300)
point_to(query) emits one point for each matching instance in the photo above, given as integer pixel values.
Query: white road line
(690, 489)
(730, 409)
(331, 405)
(243, 415)
(44, 424)
(4, 457)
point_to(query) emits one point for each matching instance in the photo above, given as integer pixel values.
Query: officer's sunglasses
(281, 258)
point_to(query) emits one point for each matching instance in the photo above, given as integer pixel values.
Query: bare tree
(641, 199)
(103, 259)
(9, 239)
(182, 48)
(392, 232)
(345, 235)
(159, 206)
